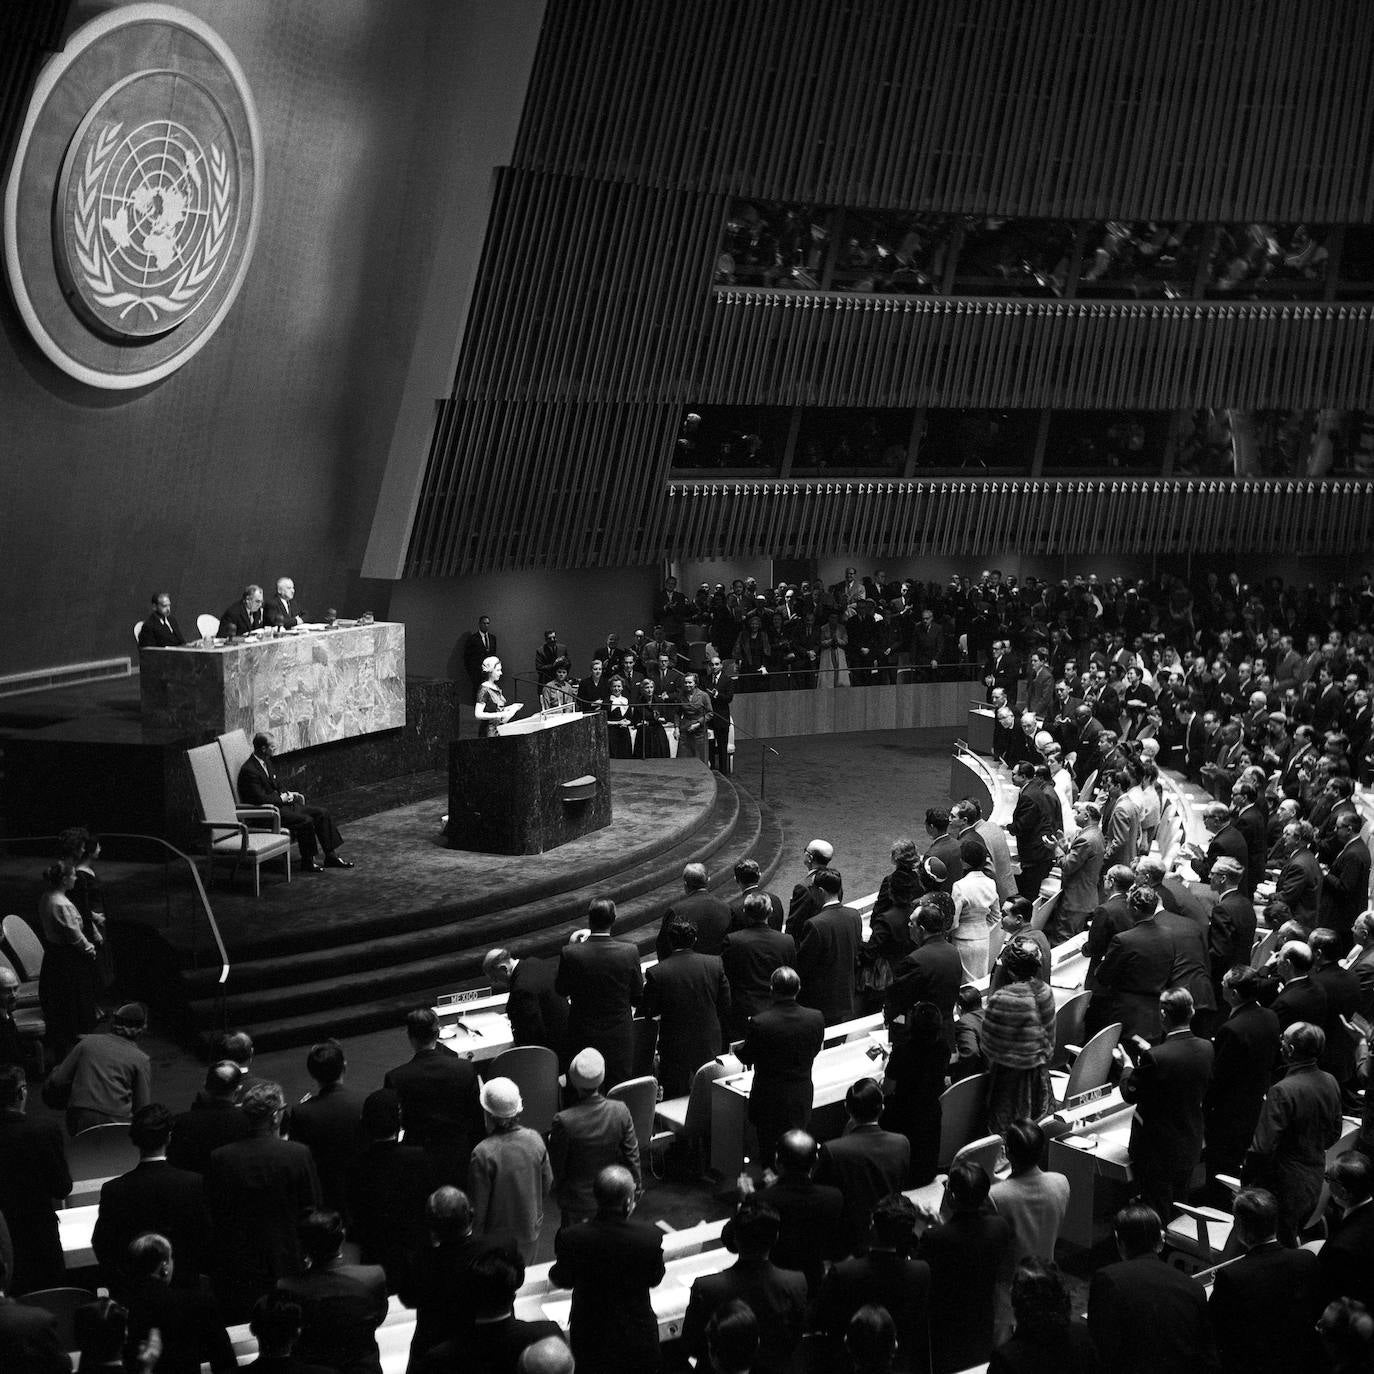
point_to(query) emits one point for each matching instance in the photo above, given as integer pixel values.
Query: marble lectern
(538, 784)
(302, 688)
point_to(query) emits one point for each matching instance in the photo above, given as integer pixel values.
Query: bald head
(549, 1356)
(614, 1191)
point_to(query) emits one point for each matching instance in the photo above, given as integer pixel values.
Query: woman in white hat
(510, 1175)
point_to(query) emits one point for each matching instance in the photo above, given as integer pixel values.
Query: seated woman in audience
(975, 908)
(1047, 1339)
(1018, 1039)
(618, 732)
(912, 1084)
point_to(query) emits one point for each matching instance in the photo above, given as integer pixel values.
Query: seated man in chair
(312, 827)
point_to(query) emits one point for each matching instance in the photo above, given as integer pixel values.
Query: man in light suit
(604, 983)
(1080, 871)
(967, 816)
(828, 953)
(160, 630)
(1121, 830)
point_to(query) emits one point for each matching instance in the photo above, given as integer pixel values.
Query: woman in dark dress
(651, 739)
(618, 732)
(913, 1081)
(66, 983)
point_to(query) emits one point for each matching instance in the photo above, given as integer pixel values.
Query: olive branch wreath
(90, 253)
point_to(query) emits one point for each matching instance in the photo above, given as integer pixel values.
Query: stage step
(294, 996)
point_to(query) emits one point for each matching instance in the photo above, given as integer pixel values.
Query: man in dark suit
(1245, 1050)
(966, 1254)
(1168, 1085)
(33, 1171)
(1227, 840)
(689, 993)
(1146, 1317)
(749, 956)
(212, 1120)
(480, 644)
(1264, 1305)
(245, 615)
(387, 1187)
(604, 983)
(611, 1263)
(1035, 820)
(1231, 922)
(589, 1134)
(342, 1304)
(884, 1275)
(188, 1320)
(1108, 920)
(12, 1048)
(781, 1046)
(1301, 999)
(1251, 821)
(329, 1121)
(28, 1335)
(439, 1284)
(943, 845)
(1003, 670)
(721, 691)
(281, 608)
(153, 1196)
(1136, 968)
(256, 1189)
(160, 630)
(747, 876)
(312, 827)
(932, 972)
(1342, 990)
(1345, 888)
(866, 1163)
(828, 953)
(538, 1013)
(439, 1103)
(1191, 967)
(806, 901)
(777, 1297)
(705, 911)
(1347, 1257)
(1300, 879)
(809, 1213)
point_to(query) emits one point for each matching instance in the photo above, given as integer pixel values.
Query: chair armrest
(1073, 1051)
(1229, 1181)
(1206, 1213)
(239, 826)
(261, 813)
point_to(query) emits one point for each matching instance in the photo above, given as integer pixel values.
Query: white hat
(587, 1070)
(501, 1098)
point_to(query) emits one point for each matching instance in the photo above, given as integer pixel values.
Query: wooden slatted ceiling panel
(914, 519)
(554, 446)
(774, 348)
(1176, 109)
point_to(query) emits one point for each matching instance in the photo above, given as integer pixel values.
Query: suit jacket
(806, 902)
(258, 784)
(995, 838)
(1342, 989)
(866, 1163)
(342, 1305)
(439, 1106)
(538, 1012)
(1040, 693)
(946, 849)
(610, 1265)
(706, 912)
(892, 1281)
(1345, 890)
(154, 1196)
(603, 982)
(191, 1324)
(1250, 821)
(1121, 832)
(777, 1298)
(811, 1229)
(474, 651)
(1135, 970)
(489, 1348)
(966, 1255)
(592, 695)
(197, 1133)
(33, 1171)
(933, 973)
(1230, 934)
(776, 915)
(749, 956)
(1246, 1048)
(1228, 842)
(257, 1189)
(235, 620)
(827, 956)
(689, 992)
(387, 1187)
(1264, 1307)
(1108, 921)
(1168, 1088)
(781, 1044)
(287, 614)
(1148, 1318)
(1300, 1000)
(1192, 968)
(159, 634)
(439, 1286)
(1300, 885)
(330, 1123)
(1363, 969)
(586, 1137)
(28, 1340)
(1347, 1258)
(1080, 870)
(1037, 813)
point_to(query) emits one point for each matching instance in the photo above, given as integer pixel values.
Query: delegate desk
(302, 687)
(1094, 1148)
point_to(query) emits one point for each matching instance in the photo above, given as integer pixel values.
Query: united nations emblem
(126, 249)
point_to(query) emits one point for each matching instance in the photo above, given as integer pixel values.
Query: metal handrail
(190, 863)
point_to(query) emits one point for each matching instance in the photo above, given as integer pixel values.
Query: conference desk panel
(301, 688)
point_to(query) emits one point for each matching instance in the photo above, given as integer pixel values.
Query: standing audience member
(1347, 1257)
(781, 1045)
(611, 1263)
(913, 1080)
(752, 951)
(66, 982)
(342, 1304)
(510, 1175)
(976, 908)
(689, 993)
(1168, 1085)
(212, 1120)
(776, 1297)
(276, 1326)
(966, 1255)
(866, 1163)
(1047, 1339)
(747, 875)
(828, 953)
(1017, 914)
(1081, 861)
(33, 1172)
(188, 1320)
(604, 983)
(257, 1188)
(1145, 1317)
(806, 901)
(1265, 1304)
(1018, 1039)
(591, 1133)
(1341, 988)
(1300, 999)
(538, 1013)
(1299, 1122)
(1136, 969)
(932, 972)
(106, 1077)
(1231, 923)
(708, 914)
(28, 1335)
(438, 1092)
(329, 1121)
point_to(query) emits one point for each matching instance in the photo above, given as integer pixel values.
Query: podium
(538, 784)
